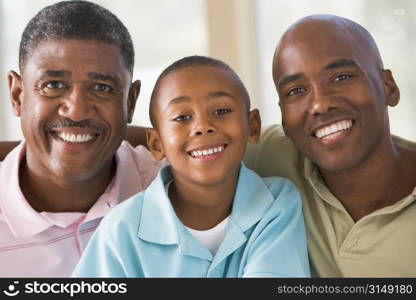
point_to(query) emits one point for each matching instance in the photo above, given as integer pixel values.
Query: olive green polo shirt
(381, 244)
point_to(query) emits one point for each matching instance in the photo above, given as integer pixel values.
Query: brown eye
(182, 118)
(222, 111)
(295, 91)
(103, 88)
(342, 77)
(55, 85)
(53, 89)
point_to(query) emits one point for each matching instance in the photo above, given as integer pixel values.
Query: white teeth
(338, 126)
(75, 138)
(205, 152)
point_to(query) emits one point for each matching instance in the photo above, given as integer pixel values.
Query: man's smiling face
(333, 94)
(73, 101)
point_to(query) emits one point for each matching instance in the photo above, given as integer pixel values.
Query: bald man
(357, 181)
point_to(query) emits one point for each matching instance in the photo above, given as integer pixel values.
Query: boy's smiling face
(203, 124)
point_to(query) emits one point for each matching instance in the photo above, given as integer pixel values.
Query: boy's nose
(199, 132)
(203, 126)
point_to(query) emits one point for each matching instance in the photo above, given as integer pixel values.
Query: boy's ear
(281, 120)
(154, 143)
(254, 125)
(132, 99)
(16, 91)
(391, 89)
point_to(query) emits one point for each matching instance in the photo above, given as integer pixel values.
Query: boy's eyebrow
(209, 96)
(178, 100)
(341, 63)
(219, 94)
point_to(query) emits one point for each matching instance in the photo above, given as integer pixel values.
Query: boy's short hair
(80, 20)
(189, 61)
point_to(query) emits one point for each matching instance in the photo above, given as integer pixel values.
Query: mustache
(69, 123)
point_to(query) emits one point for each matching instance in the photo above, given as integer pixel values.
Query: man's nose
(322, 100)
(77, 105)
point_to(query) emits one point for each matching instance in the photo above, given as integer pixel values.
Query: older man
(74, 96)
(357, 181)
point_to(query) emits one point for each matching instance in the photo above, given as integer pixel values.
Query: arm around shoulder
(6, 147)
(136, 136)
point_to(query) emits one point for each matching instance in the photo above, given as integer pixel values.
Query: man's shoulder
(274, 141)
(9, 168)
(404, 142)
(274, 154)
(139, 152)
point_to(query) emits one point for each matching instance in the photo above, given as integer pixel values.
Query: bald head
(329, 76)
(315, 31)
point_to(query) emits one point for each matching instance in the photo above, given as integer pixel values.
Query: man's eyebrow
(55, 73)
(341, 63)
(100, 76)
(288, 79)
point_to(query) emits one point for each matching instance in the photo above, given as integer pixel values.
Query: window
(162, 32)
(390, 22)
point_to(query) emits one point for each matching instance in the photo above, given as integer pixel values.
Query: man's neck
(52, 194)
(380, 181)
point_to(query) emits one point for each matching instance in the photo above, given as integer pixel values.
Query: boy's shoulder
(278, 185)
(280, 189)
(125, 214)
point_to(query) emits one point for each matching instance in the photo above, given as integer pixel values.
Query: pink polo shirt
(48, 244)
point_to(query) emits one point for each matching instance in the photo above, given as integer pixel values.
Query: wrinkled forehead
(76, 57)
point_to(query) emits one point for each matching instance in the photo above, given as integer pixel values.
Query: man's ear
(254, 125)
(154, 143)
(132, 99)
(391, 89)
(16, 91)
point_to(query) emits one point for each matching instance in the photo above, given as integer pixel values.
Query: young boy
(206, 214)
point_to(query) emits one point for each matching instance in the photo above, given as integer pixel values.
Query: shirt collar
(124, 184)
(24, 221)
(315, 179)
(159, 223)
